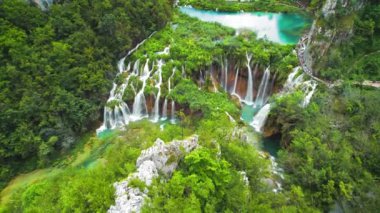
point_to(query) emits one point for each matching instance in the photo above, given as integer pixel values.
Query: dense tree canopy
(56, 68)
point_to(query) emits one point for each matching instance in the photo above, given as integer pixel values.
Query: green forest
(87, 87)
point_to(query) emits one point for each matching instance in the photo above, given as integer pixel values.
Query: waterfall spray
(260, 118)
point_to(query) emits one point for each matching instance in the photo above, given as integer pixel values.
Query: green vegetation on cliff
(331, 148)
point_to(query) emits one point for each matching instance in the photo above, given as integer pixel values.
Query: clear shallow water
(277, 27)
(248, 112)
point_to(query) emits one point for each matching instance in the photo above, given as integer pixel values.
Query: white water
(236, 81)
(165, 110)
(140, 109)
(172, 120)
(226, 74)
(156, 109)
(310, 88)
(120, 114)
(121, 65)
(249, 95)
(260, 118)
(263, 89)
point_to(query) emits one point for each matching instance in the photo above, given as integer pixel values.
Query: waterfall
(172, 120)
(311, 87)
(126, 112)
(213, 81)
(236, 81)
(121, 65)
(165, 110)
(249, 95)
(226, 74)
(156, 109)
(140, 109)
(119, 118)
(292, 82)
(136, 67)
(260, 118)
(119, 114)
(262, 93)
(201, 78)
(235, 85)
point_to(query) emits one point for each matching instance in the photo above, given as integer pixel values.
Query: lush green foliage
(356, 58)
(332, 147)
(187, 93)
(195, 46)
(83, 182)
(55, 70)
(236, 6)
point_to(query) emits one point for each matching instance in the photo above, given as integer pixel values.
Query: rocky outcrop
(161, 158)
(332, 26)
(43, 4)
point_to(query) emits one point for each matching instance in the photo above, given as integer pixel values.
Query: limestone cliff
(161, 158)
(332, 26)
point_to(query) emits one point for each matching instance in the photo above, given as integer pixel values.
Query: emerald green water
(277, 27)
(247, 113)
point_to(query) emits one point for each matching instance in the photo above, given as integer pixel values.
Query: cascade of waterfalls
(249, 95)
(260, 118)
(140, 109)
(262, 93)
(292, 81)
(308, 87)
(119, 114)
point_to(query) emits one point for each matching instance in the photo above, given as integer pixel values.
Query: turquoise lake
(281, 28)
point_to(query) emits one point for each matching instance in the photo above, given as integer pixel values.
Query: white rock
(160, 157)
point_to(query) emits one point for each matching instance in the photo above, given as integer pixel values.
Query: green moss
(137, 183)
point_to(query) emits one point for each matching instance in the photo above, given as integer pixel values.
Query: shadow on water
(271, 145)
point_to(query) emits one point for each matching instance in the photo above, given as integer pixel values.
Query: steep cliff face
(333, 25)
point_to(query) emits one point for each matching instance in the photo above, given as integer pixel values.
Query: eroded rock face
(160, 158)
(327, 30)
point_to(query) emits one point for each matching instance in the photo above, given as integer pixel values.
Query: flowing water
(249, 95)
(260, 118)
(263, 89)
(278, 27)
